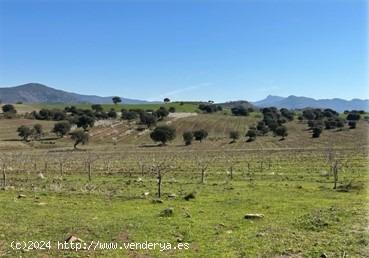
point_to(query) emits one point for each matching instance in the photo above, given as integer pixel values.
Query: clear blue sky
(188, 50)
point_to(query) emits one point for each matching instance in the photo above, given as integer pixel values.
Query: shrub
(187, 137)
(163, 134)
(239, 111)
(281, 131)
(316, 132)
(25, 132)
(251, 133)
(234, 135)
(79, 136)
(352, 124)
(61, 128)
(200, 135)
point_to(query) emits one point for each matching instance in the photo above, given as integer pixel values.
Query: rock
(21, 196)
(40, 176)
(73, 239)
(172, 195)
(190, 196)
(323, 255)
(157, 201)
(146, 193)
(139, 180)
(260, 234)
(168, 212)
(254, 216)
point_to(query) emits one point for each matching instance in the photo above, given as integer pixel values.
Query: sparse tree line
(328, 119)
(273, 121)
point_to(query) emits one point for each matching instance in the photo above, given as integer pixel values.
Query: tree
(262, 128)
(159, 168)
(161, 113)
(200, 135)
(37, 131)
(187, 137)
(112, 113)
(281, 131)
(166, 100)
(116, 100)
(8, 108)
(79, 136)
(85, 121)
(129, 115)
(25, 132)
(97, 108)
(61, 128)
(148, 119)
(239, 111)
(163, 134)
(234, 135)
(353, 116)
(316, 132)
(352, 124)
(251, 133)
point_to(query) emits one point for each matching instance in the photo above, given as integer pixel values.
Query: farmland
(107, 190)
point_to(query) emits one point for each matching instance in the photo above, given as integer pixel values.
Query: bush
(200, 135)
(239, 111)
(112, 113)
(8, 108)
(316, 132)
(161, 113)
(172, 109)
(352, 124)
(79, 136)
(281, 131)
(163, 134)
(251, 133)
(61, 128)
(187, 137)
(37, 131)
(234, 135)
(129, 115)
(148, 119)
(25, 132)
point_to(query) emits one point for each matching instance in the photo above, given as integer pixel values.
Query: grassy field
(50, 193)
(303, 215)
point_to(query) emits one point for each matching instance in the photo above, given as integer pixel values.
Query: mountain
(294, 102)
(39, 93)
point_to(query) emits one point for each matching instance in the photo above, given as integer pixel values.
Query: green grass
(303, 215)
(216, 225)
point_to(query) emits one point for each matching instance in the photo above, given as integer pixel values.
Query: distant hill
(237, 103)
(39, 93)
(294, 102)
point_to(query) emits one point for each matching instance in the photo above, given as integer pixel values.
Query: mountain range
(294, 102)
(39, 93)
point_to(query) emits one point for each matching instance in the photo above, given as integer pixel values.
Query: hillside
(294, 102)
(123, 135)
(39, 93)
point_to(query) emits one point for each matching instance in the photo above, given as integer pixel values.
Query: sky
(188, 50)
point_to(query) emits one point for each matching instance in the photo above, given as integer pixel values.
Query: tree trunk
(202, 176)
(159, 185)
(61, 168)
(89, 171)
(4, 176)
